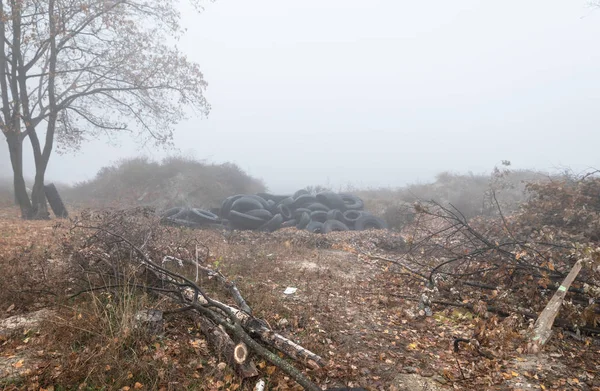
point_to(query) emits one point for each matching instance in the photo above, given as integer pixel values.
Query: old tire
(56, 203)
(272, 197)
(303, 200)
(299, 193)
(331, 200)
(319, 215)
(368, 221)
(351, 216)
(263, 214)
(289, 223)
(352, 202)
(274, 224)
(284, 211)
(170, 212)
(317, 206)
(303, 221)
(297, 214)
(202, 216)
(226, 204)
(334, 225)
(335, 214)
(247, 203)
(241, 220)
(315, 227)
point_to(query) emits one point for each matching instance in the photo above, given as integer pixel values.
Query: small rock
(152, 320)
(410, 370)
(283, 322)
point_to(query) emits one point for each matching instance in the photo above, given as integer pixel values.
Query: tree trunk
(38, 197)
(15, 148)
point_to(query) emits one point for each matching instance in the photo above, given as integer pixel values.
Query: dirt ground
(358, 313)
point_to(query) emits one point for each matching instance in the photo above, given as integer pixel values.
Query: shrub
(176, 181)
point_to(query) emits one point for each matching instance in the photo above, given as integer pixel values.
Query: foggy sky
(381, 93)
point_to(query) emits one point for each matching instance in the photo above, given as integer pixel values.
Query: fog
(381, 93)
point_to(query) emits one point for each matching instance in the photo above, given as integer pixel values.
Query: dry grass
(348, 309)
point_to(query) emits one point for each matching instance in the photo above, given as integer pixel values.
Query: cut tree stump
(221, 343)
(543, 325)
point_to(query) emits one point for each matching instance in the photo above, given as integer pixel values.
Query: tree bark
(15, 148)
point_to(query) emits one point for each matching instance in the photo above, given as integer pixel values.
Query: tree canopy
(73, 69)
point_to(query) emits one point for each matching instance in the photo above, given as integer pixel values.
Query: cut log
(542, 329)
(56, 203)
(240, 353)
(268, 336)
(222, 344)
(254, 325)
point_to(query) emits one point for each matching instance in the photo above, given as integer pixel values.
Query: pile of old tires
(190, 217)
(321, 213)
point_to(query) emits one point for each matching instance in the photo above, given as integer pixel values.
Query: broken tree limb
(230, 285)
(254, 325)
(268, 336)
(223, 344)
(192, 295)
(542, 329)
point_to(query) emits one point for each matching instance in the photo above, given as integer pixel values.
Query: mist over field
(379, 93)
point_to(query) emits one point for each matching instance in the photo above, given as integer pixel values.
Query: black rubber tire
(368, 221)
(202, 216)
(284, 211)
(331, 200)
(247, 203)
(289, 223)
(216, 211)
(299, 193)
(263, 202)
(335, 214)
(303, 200)
(56, 203)
(272, 206)
(352, 202)
(319, 215)
(184, 214)
(317, 206)
(171, 212)
(272, 197)
(263, 214)
(315, 227)
(226, 204)
(334, 225)
(286, 201)
(303, 221)
(274, 224)
(351, 216)
(239, 220)
(297, 214)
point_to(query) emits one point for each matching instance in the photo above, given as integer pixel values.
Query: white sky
(381, 93)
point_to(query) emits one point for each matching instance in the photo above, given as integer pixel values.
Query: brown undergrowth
(357, 312)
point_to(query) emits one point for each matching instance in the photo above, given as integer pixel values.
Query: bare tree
(74, 69)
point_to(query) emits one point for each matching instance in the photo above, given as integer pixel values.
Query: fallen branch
(223, 344)
(543, 325)
(236, 322)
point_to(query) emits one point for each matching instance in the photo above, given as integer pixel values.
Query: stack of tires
(190, 217)
(321, 213)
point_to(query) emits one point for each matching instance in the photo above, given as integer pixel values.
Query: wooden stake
(543, 325)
